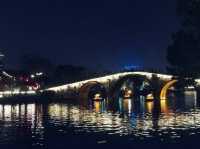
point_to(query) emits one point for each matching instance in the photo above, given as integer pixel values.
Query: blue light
(131, 67)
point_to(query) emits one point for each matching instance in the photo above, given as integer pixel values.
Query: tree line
(183, 54)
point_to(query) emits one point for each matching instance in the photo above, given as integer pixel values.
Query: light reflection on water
(37, 123)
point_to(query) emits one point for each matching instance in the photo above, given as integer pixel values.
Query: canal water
(107, 123)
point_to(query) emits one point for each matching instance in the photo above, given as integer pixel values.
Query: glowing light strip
(10, 93)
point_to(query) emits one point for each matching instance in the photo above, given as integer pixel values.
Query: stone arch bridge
(152, 84)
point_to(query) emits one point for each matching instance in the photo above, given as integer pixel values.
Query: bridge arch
(86, 90)
(164, 89)
(136, 79)
(189, 83)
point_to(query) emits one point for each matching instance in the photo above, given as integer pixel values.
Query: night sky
(98, 34)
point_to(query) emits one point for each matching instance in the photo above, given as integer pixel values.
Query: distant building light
(27, 80)
(2, 55)
(35, 87)
(29, 88)
(39, 73)
(32, 76)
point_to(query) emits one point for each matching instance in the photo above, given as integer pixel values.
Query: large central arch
(137, 79)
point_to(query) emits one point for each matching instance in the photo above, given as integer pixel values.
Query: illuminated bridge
(124, 84)
(152, 85)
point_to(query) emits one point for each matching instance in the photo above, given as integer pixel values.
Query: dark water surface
(127, 122)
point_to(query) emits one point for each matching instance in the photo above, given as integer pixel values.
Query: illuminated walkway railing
(13, 93)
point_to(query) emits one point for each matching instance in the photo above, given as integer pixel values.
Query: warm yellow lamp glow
(149, 97)
(128, 93)
(97, 96)
(163, 93)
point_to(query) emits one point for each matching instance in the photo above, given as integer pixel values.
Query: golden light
(163, 106)
(97, 106)
(149, 107)
(149, 97)
(163, 94)
(97, 96)
(127, 104)
(128, 93)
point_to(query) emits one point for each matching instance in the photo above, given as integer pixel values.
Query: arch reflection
(99, 106)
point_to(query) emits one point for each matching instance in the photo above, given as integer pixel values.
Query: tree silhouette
(183, 54)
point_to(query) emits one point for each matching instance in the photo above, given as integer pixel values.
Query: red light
(36, 86)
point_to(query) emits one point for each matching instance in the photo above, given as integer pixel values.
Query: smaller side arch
(85, 88)
(164, 90)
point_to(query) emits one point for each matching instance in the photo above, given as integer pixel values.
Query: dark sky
(98, 33)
